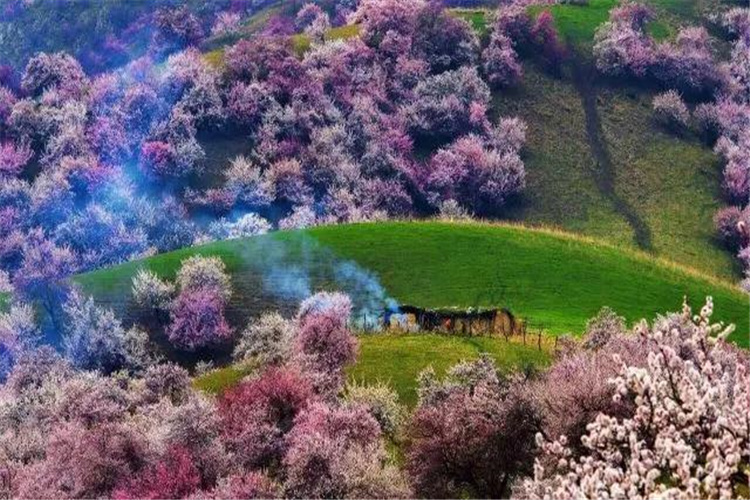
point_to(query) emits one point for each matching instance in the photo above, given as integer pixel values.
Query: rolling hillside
(555, 281)
(597, 163)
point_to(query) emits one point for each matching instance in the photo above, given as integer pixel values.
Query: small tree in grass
(197, 319)
(199, 272)
(197, 316)
(151, 292)
(268, 339)
(670, 110)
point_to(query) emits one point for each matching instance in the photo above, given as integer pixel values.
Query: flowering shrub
(244, 227)
(337, 453)
(204, 273)
(150, 292)
(688, 64)
(544, 35)
(174, 477)
(94, 339)
(42, 273)
(7, 101)
(257, 415)
(47, 71)
(380, 401)
(18, 334)
(621, 45)
(671, 110)
(177, 28)
(444, 41)
(623, 48)
(687, 434)
(13, 158)
(325, 346)
(267, 340)
(478, 173)
(247, 181)
(602, 328)
(501, 63)
(470, 433)
(227, 23)
(576, 388)
(442, 103)
(732, 227)
(196, 319)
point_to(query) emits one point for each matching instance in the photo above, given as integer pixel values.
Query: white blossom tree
(689, 433)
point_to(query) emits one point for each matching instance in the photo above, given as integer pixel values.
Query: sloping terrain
(555, 281)
(597, 162)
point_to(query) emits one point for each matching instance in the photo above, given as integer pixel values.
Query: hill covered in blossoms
(474, 204)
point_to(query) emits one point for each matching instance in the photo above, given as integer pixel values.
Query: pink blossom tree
(470, 434)
(175, 476)
(45, 71)
(621, 45)
(337, 453)
(671, 110)
(257, 415)
(324, 346)
(7, 101)
(177, 28)
(13, 158)
(83, 462)
(475, 174)
(545, 36)
(442, 103)
(44, 269)
(733, 227)
(196, 319)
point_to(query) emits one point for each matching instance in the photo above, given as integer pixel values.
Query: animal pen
(473, 322)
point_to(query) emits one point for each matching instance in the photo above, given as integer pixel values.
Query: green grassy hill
(555, 281)
(597, 162)
(671, 184)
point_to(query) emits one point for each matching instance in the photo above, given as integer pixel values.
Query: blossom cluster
(685, 433)
(624, 48)
(74, 430)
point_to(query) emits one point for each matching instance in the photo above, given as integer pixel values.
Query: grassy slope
(671, 182)
(556, 282)
(398, 359)
(477, 18)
